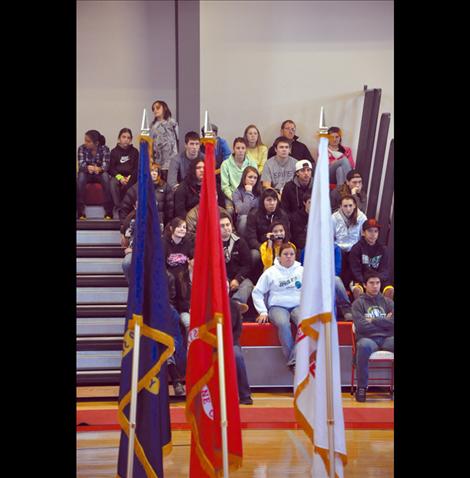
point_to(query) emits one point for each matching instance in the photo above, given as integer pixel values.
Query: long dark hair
(172, 225)
(166, 110)
(191, 178)
(96, 137)
(125, 130)
(269, 192)
(335, 129)
(353, 217)
(256, 187)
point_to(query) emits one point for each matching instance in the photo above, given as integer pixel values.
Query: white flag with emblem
(316, 309)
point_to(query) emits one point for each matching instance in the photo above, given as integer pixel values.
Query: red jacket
(347, 153)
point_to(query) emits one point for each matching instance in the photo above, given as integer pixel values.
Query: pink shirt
(347, 153)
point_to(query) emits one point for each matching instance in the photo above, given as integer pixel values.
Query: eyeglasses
(289, 129)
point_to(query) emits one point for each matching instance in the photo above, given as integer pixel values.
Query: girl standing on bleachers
(164, 132)
(123, 166)
(93, 165)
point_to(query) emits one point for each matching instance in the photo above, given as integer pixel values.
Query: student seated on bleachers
(258, 222)
(347, 224)
(256, 150)
(369, 254)
(246, 197)
(93, 165)
(339, 157)
(279, 169)
(192, 219)
(373, 316)
(298, 150)
(353, 186)
(269, 250)
(163, 198)
(237, 262)
(222, 153)
(123, 164)
(294, 190)
(231, 171)
(179, 253)
(187, 194)
(282, 282)
(127, 238)
(179, 164)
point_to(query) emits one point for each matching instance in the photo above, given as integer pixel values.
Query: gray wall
(125, 60)
(266, 61)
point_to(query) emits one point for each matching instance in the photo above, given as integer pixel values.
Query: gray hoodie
(369, 316)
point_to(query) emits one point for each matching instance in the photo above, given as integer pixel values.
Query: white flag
(317, 309)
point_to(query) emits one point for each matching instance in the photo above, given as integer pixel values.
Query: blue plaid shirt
(101, 159)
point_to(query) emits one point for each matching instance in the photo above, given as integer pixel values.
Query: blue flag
(147, 305)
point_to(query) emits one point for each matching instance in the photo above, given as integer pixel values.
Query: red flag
(210, 304)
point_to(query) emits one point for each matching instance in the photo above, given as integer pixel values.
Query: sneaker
(246, 401)
(108, 217)
(179, 389)
(347, 316)
(82, 216)
(361, 395)
(243, 308)
(292, 368)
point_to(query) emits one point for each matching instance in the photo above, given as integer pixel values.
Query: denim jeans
(243, 293)
(281, 317)
(103, 178)
(338, 170)
(242, 378)
(341, 297)
(126, 267)
(365, 347)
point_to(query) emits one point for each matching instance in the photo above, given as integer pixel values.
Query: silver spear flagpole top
(144, 129)
(323, 128)
(208, 133)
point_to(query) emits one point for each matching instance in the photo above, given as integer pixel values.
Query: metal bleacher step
(102, 295)
(98, 224)
(98, 238)
(87, 378)
(96, 212)
(97, 265)
(98, 310)
(100, 251)
(100, 280)
(100, 326)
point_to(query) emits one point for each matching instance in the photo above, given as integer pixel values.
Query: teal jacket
(231, 174)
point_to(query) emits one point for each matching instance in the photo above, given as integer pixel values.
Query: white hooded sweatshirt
(283, 284)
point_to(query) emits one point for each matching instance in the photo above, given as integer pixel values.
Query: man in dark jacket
(163, 198)
(299, 222)
(298, 150)
(369, 254)
(179, 164)
(291, 200)
(373, 317)
(352, 186)
(237, 262)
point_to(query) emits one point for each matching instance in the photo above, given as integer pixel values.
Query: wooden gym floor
(267, 453)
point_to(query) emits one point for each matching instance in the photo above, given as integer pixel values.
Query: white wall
(266, 61)
(125, 61)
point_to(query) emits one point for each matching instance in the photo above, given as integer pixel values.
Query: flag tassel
(223, 405)
(133, 404)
